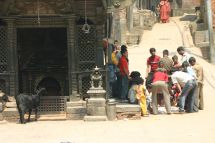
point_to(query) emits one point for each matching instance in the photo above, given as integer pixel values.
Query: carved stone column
(119, 25)
(12, 52)
(130, 18)
(72, 77)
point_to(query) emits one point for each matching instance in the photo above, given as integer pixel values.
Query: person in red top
(152, 65)
(159, 83)
(124, 73)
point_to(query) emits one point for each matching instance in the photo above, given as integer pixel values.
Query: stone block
(76, 110)
(129, 115)
(95, 118)
(10, 112)
(128, 108)
(11, 105)
(75, 116)
(1, 107)
(1, 96)
(96, 111)
(76, 103)
(1, 117)
(98, 102)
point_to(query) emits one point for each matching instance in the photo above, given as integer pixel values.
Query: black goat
(25, 103)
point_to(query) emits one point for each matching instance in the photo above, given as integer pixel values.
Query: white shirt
(185, 57)
(181, 77)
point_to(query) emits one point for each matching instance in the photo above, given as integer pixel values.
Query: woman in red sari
(164, 6)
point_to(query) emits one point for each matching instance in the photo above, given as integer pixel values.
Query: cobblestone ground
(196, 127)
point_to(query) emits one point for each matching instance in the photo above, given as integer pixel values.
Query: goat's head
(41, 91)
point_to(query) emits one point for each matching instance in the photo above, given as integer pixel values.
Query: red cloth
(164, 10)
(123, 63)
(160, 76)
(153, 62)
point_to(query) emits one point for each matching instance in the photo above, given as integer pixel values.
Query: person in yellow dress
(141, 96)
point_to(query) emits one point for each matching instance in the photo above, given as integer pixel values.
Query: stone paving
(197, 127)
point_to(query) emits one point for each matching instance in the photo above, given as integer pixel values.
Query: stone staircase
(142, 20)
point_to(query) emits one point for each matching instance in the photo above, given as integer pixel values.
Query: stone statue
(96, 78)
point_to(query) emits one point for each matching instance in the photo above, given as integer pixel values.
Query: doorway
(42, 53)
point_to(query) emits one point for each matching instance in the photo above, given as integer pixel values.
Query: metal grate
(3, 50)
(2, 85)
(85, 86)
(86, 48)
(53, 104)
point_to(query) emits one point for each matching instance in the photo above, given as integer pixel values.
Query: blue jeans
(124, 87)
(188, 93)
(112, 78)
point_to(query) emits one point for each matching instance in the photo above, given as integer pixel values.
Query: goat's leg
(36, 116)
(22, 117)
(29, 115)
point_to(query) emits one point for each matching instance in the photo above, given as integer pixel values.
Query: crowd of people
(168, 82)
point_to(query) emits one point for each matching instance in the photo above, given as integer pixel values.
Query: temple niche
(32, 7)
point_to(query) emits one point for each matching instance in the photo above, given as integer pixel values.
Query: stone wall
(186, 4)
(179, 7)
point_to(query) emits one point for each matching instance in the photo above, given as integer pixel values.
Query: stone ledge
(76, 103)
(1, 107)
(128, 108)
(75, 116)
(11, 105)
(10, 112)
(76, 110)
(129, 115)
(95, 118)
(1, 117)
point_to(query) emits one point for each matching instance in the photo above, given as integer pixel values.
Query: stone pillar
(72, 76)
(119, 25)
(12, 55)
(130, 18)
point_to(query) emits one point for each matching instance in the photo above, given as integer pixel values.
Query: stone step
(95, 118)
(51, 117)
(76, 110)
(1, 117)
(128, 108)
(76, 103)
(11, 105)
(10, 112)
(1, 107)
(79, 116)
(47, 117)
(129, 115)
